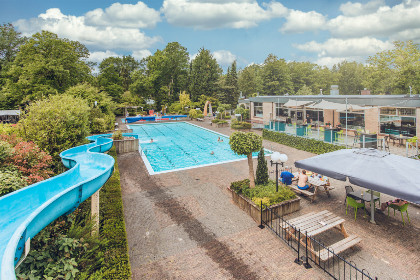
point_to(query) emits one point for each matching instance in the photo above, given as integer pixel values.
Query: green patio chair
(402, 209)
(378, 194)
(356, 205)
(340, 135)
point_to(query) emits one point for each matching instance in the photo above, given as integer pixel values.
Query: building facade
(384, 114)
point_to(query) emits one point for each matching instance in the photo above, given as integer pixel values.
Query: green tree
(245, 144)
(184, 100)
(45, 65)
(394, 71)
(231, 82)
(10, 41)
(304, 90)
(262, 169)
(350, 77)
(204, 75)
(302, 74)
(101, 117)
(115, 75)
(56, 124)
(276, 76)
(248, 80)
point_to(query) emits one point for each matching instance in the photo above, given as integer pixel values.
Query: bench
(338, 247)
(299, 191)
(200, 119)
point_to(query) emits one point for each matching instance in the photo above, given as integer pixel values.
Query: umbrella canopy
(337, 106)
(372, 169)
(296, 103)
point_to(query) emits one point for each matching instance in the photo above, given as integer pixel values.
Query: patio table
(313, 224)
(364, 197)
(401, 138)
(317, 183)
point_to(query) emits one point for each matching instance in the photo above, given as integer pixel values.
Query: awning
(297, 103)
(337, 106)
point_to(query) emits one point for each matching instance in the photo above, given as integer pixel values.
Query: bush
(193, 113)
(10, 181)
(265, 193)
(304, 144)
(200, 116)
(262, 169)
(215, 121)
(240, 125)
(31, 161)
(117, 135)
(56, 124)
(7, 129)
(5, 151)
(98, 125)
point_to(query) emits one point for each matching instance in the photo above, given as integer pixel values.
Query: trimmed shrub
(304, 144)
(200, 116)
(193, 113)
(262, 169)
(117, 135)
(240, 125)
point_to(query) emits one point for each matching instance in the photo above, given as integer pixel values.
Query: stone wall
(372, 120)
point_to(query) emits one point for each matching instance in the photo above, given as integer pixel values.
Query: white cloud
(356, 9)
(75, 28)
(346, 47)
(99, 56)
(220, 14)
(298, 22)
(224, 57)
(124, 15)
(386, 21)
(140, 54)
(331, 61)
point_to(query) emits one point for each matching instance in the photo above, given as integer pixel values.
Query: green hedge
(116, 263)
(300, 143)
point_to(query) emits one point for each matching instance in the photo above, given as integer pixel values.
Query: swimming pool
(181, 145)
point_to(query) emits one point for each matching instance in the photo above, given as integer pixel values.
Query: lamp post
(277, 158)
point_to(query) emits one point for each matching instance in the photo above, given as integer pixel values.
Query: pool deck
(183, 225)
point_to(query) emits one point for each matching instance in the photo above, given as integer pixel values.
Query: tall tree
(45, 64)
(301, 74)
(276, 76)
(204, 75)
(350, 77)
(10, 41)
(394, 71)
(248, 79)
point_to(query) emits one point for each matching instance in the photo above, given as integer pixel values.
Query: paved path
(182, 225)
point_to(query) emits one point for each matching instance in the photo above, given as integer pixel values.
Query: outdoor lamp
(277, 158)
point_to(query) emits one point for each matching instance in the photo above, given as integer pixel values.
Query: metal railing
(309, 249)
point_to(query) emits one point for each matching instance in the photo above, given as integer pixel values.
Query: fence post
(306, 265)
(297, 260)
(406, 148)
(261, 226)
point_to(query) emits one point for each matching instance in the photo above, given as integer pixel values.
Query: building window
(354, 120)
(388, 111)
(258, 109)
(281, 111)
(314, 115)
(407, 111)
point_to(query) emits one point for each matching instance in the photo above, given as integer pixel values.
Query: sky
(325, 32)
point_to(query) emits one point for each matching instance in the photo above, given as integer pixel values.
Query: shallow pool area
(182, 145)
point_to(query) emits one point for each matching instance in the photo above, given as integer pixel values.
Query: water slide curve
(26, 212)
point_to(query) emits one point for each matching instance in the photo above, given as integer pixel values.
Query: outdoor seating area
(316, 183)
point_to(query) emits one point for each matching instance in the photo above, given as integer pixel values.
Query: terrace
(184, 225)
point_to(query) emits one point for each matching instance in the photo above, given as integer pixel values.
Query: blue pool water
(181, 145)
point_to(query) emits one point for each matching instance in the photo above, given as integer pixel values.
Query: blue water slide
(26, 212)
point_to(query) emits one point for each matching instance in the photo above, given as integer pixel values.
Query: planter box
(126, 146)
(222, 124)
(283, 208)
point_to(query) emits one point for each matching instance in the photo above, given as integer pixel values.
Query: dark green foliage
(10, 41)
(239, 185)
(262, 169)
(304, 144)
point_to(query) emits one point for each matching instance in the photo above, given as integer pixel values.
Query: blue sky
(324, 32)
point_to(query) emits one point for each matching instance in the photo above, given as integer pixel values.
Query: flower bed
(283, 202)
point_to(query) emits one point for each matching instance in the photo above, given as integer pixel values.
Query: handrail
(26, 212)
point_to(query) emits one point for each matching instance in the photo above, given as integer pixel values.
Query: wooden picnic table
(316, 182)
(312, 224)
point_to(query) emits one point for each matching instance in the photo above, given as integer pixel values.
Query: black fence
(309, 249)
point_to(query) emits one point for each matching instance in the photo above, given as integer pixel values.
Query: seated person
(303, 181)
(286, 177)
(397, 202)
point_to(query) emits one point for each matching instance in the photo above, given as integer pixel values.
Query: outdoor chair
(378, 194)
(386, 141)
(356, 205)
(392, 137)
(340, 135)
(402, 209)
(349, 189)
